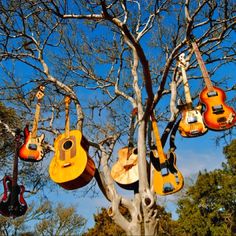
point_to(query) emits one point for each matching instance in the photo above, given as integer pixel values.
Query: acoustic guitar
(32, 150)
(217, 115)
(167, 179)
(12, 203)
(125, 170)
(71, 167)
(191, 124)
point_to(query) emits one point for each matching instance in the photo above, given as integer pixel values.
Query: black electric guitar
(12, 203)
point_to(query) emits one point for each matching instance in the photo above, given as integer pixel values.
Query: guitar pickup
(32, 146)
(212, 94)
(164, 169)
(218, 109)
(191, 119)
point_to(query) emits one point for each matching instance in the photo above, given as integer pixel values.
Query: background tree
(104, 225)
(209, 205)
(130, 65)
(44, 219)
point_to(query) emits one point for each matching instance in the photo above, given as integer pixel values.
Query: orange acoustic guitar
(32, 149)
(218, 115)
(191, 124)
(167, 179)
(71, 167)
(125, 170)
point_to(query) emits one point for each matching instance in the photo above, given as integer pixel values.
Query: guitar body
(191, 123)
(12, 202)
(167, 179)
(125, 170)
(71, 167)
(218, 115)
(31, 150)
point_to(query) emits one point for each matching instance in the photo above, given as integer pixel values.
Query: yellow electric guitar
(191, 124)
(167, 179)
(71, 167)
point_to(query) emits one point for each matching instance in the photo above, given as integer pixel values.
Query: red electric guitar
(218, 115)
(32, 149)
(191, 124)
(12, 203)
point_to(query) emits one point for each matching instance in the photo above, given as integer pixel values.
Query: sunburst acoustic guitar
(191, 124)
(32, 150)
(71, 167)
(12, 203)
(217, 115)
(125, 170)
(167, 179)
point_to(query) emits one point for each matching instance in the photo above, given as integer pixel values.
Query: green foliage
(8, 117)
(209, 207)
(104, 226)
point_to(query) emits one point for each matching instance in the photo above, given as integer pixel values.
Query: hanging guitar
(167, 179)
(125, 170)
(71, 167)
(217, 115)
(12, 203)
(191, 124)
(32, 149)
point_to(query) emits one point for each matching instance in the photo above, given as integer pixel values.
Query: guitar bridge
(168, 187)
(218, 109)
(67, 164)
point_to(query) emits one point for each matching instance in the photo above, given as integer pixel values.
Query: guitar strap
(172, 136)
(132, 128)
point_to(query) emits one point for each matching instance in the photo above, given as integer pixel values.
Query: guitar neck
(36, 120)
(67, 117)
(160, 151)
(186, 87)
(15, 162)
(202, 66)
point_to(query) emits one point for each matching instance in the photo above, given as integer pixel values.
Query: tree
(131, 65)
(44, 219)
(209, 206)
(105, 226)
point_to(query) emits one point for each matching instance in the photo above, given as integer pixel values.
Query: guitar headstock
(67, 100)
(40, 93)
(182, 60)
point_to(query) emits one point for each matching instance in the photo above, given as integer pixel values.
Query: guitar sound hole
(67, 145)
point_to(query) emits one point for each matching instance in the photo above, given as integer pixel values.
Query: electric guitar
(71, 167)
(191, 124)
(217, 115)
(12, 203)
(167, 179)
(32, 149)
(125, 170)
